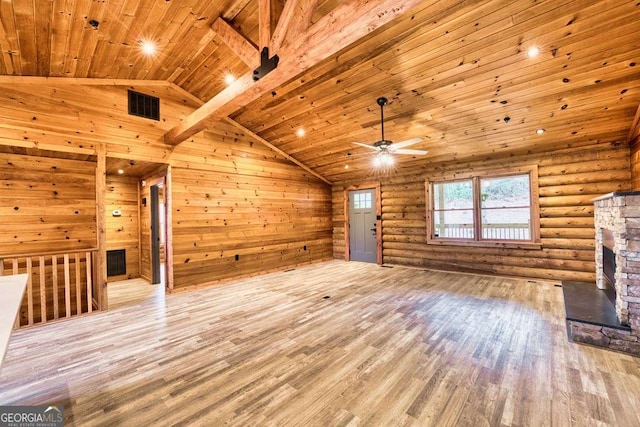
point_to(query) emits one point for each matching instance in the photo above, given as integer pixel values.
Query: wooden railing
(489, 231)
(60, 285)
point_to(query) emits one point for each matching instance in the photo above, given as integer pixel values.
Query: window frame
(475, 177)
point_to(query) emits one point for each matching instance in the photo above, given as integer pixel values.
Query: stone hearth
(617, 224)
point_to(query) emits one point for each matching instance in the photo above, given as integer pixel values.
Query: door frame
(367, 186)
(163, 175)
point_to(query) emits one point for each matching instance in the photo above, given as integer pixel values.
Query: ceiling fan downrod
(382, 101)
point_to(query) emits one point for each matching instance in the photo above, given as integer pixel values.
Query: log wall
(123, 231)
(568, 180)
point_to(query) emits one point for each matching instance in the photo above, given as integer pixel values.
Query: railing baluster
(54, 280)
(14, 270)
(34, 308)
(67, 286)
(43, 291)
(87, 257)
(78, 287)
(30, 291)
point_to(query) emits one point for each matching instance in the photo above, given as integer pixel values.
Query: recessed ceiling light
(540, 131)
(301, 132)
(120, 171)
(533, 51)
(148, 47)
(346, 166)
(229, 78)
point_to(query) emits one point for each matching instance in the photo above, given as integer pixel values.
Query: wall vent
(116, 262)
(144, 105)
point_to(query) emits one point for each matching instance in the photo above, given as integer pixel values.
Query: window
(499, 208)
(362, 201)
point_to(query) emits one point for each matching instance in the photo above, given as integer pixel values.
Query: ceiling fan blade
(366, 145)
(402, 144)
(414, 152)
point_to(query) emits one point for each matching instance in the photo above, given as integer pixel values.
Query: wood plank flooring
(134, 291)
(391, 346)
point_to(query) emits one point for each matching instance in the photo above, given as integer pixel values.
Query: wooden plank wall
(242, 199)
(74, 118)
(122, 231)
(568, 180)
(232, 195)
(46, 204)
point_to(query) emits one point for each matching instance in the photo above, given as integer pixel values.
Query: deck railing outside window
(489, 231)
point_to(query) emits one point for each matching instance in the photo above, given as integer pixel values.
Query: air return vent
(144, 105)
(116, 262)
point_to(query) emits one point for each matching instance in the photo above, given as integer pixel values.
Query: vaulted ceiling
(456, 73)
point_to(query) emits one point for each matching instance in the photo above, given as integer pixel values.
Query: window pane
(453, 195)
(504, 192)
(506, 224)
(456, 224)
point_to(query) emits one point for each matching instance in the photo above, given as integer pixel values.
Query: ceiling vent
(144, 105)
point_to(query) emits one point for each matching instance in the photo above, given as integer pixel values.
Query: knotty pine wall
(568, 180)
(242, 199)
(231, 194)
(46, 204)
(123, 231)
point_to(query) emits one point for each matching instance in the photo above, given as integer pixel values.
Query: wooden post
(168, 225)
(101, 264)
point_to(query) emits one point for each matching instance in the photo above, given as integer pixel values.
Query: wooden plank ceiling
(456, 73)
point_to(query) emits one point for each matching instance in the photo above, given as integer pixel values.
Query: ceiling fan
(386, 148)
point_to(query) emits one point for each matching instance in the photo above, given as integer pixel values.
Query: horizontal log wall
(46, 204)
(568, 180)
(122, 231)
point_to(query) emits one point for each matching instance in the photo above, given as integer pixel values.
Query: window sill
(486, 243)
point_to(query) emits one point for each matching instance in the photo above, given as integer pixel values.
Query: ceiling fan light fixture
(383, 159)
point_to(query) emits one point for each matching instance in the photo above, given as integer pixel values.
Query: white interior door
(362, 225)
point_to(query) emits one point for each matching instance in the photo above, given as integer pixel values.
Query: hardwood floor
(134, 291)
(391, 346)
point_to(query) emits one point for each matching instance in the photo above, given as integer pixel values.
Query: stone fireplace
(617, 256)
(617, 223)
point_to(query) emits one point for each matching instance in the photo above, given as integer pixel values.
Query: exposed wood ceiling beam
(235, 41)
(264, 23)
(253, 135)
(276, 149)
(342, 27)
(235, 9)
(304, 12)
(283, 25)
